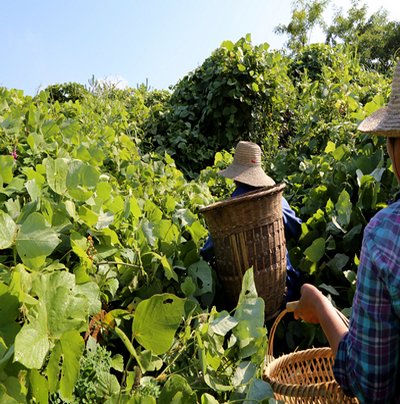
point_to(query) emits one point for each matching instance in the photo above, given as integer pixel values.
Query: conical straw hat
(386, 121)
(246, 167)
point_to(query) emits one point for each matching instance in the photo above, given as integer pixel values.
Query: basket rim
(257, 194)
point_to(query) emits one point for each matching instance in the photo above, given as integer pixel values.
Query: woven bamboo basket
(303, 377)
(248, 231)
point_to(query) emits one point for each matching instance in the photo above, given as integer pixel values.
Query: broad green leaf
(5, 398)
(71, 209)
(377, 173)
(17, 184)
(82, 179)
(33, 189)
(168, 270)
(377, 102)
(6, 165)
(72, 346)
(330, 147)
(258, 391)
(249, 313)
(83, 154)
(250, 317)
(36, 240)
(39, 386)
(337, 225)
(105, 219)
(329, 289)
(154, 213)
(316, 250)
(339, 152)
(184, 216)
(178, 391)
(56, 173)
(329, 207)
(104, 190)
(208, 399)
(118, 362)
(223, 323)
(213, 381)
(8, 230)
(13, 208)
(9, 312)
(338, 262)
(188, 287)
(135, 208)
(167, 231)
(228, 45)
(79, 244)
(31, 174)
(108, 384)
(15, 388)
(67, 307)
(88, 216)
(248, 286)
(212, 358)
(244, 373)
(197, 231)
(148, 231)
(156, 321)
(344, 208)
(92, 292)
(53, 367)
(201, 274)
(351, 276)
(32, 343)
(62, 308)
(354, 232)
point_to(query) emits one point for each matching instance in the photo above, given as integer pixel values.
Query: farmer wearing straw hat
(367, 363)
(248, 175)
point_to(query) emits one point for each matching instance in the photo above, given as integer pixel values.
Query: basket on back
(248, 231)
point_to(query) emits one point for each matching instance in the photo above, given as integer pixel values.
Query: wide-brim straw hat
(386, 121)
(246, 167)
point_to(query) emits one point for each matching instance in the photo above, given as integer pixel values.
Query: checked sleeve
(368, 358)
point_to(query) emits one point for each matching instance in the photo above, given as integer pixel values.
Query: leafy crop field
(103, 294)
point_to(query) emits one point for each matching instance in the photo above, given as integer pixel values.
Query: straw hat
(246, 166)
(386, 121)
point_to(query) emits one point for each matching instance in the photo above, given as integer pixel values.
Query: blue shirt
(367, 363)
(292, 225)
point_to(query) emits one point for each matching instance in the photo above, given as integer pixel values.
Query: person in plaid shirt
(367, 354)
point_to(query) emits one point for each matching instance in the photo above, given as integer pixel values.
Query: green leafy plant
(236, 94)
(100, 232)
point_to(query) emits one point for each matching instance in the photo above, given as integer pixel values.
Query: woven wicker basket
(303, 377)
(248, 231)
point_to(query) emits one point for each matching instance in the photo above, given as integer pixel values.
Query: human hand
(314, 307)
(309, 304)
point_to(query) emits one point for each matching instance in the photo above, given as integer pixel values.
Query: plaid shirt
(367, 363)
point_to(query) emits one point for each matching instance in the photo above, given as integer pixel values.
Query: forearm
(331, 323)
(314, 307)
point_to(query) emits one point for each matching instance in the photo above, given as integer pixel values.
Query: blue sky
(46, 42)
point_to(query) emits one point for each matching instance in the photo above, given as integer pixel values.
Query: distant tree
(240, 92)
(306, 15)
(374, 38)
(66, 92)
